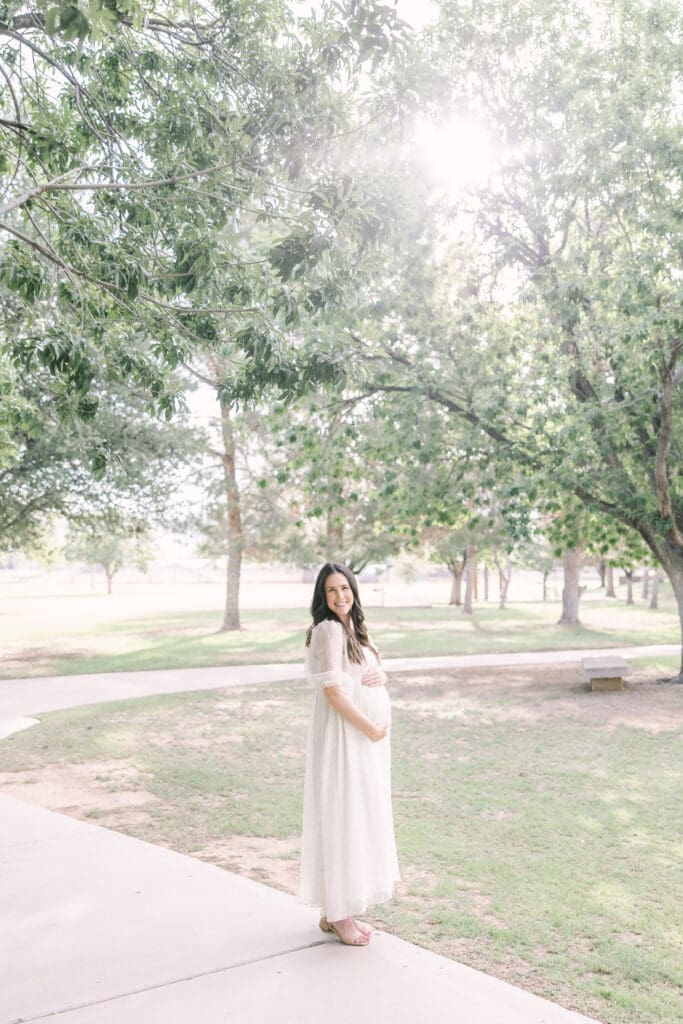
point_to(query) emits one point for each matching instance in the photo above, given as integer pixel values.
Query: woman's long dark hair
(319, 611)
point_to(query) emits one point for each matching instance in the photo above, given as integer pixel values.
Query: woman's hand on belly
(342, 703)
(374, 702)
(374, 677)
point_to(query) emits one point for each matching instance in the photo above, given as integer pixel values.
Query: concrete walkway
(100, 928)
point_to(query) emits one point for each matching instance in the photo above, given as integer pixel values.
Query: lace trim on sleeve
(330, 679)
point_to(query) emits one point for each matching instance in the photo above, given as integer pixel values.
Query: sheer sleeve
(326, 664)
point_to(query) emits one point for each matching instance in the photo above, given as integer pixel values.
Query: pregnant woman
(348, 858)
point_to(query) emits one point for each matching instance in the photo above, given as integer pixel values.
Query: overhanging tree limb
(664, 448)
(59, 185)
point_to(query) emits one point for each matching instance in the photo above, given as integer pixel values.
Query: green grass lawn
(77, 633)
(539, 825)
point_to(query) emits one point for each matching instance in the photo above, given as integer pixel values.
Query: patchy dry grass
(538, 824)
(79, 633)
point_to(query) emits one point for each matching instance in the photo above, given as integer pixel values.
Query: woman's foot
(364, 929)
(346, 930)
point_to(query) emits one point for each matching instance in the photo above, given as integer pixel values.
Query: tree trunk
(629, 585)
(456, 569)
(545, 584)
(602, 572)
(672, 560)
(486, 581)
(470, 568)
(571, 563)
(654, 594)
(475, 575)
(109, 573)
(646, 583)
(231, 617)
(505, 575)
(610, 591)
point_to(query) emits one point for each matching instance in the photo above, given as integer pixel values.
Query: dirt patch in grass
(25, 662)
(162, 633)
(272, 861)
(531, 693)
(85, 791)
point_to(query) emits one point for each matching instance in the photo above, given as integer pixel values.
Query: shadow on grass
(208, 619)
(183, 653)
(195, 640)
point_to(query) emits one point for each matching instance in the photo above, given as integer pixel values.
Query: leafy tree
(563, 352)
(628, 552)
(48, 470)
(458, 548)
(141, 150)
(536, 553)
(449, 548)
(110, 543)
(177, 192)
(328, 454)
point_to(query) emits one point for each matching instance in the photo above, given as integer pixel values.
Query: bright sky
(417, 13)
(455, 153)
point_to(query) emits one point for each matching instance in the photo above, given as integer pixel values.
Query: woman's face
(339, 596)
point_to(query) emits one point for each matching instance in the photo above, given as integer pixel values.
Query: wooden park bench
(606, 673)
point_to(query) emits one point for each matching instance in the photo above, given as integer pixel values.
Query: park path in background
(20, 699)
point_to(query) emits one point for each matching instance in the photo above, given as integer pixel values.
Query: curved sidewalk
(22, 698)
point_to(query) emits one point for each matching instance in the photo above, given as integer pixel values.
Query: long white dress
(348, 856)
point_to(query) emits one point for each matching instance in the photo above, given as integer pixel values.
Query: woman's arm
(343, 704)
(329, 652)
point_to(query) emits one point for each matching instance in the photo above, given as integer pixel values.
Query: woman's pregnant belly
(374, 702)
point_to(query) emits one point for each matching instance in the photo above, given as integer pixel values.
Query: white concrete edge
(12, 725)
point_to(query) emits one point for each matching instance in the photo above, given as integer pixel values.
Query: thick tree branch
(176, 311)
(41, 250)
(459, 409)
(46, 501)
(36, 20)
(59, 185)
(664, 448)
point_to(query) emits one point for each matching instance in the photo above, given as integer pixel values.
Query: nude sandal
(325, 926)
